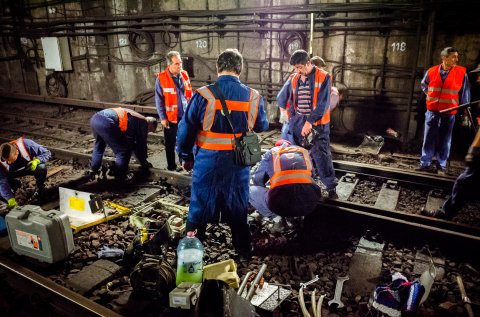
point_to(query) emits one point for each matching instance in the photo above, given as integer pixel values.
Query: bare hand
(307, 128)
(164, 123)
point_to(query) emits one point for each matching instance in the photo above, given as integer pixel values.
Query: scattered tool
(338, 292)
(316, 306)
(466, 301)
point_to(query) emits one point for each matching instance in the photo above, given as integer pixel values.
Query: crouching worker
(466, 185)
(124, 131)
(22, 157)
(292, 193)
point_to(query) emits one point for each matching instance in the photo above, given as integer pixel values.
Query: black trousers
(170, 136)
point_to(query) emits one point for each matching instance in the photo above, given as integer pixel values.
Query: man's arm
(262, 173)
(261, 123)
(189, 126)
(160, 103)
(464, 93)
(284, 96)
(141, 134)
(424, 83)
(37, 151)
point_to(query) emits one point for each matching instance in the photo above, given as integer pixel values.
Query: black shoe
(37, 196)
(427, 169)
(332, 194)
(439, 214)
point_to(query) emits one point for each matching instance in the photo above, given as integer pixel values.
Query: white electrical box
(57, 53)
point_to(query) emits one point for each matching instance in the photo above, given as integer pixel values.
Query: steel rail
(65, 301)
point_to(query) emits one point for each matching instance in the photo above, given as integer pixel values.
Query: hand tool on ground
(465, 299)
(338, 292)
(316, 306)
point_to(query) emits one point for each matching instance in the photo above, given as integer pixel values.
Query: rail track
(361, 188)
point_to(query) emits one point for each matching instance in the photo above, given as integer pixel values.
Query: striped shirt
(304, 97)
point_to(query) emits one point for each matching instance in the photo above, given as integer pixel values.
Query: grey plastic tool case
(43, 235)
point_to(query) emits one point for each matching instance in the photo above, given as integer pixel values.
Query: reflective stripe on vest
(444, 94)
(224, 141)
(320, 75)
(122, 114)
(170, 94)
(297, 176)
(21, 149)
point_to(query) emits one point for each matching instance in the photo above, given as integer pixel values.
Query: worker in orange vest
(125, 131)
(446, 86)
(173, 91)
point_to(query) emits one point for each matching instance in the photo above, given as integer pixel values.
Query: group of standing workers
(202, 136)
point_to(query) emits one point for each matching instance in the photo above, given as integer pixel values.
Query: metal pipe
(244, 283)
(251, 291)
(310, 46)
(465, 299)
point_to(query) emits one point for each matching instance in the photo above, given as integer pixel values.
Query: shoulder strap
(216, 91)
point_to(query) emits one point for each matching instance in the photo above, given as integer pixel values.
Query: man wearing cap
(125, 131)
(22, 157)
(172, 94)
(446, 86)
(309, 92)
(292, 191)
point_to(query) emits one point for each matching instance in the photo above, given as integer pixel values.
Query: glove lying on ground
(33, 164)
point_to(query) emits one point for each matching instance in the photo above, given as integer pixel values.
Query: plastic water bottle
(189, 259)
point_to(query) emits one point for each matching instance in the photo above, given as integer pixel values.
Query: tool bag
(247, 150)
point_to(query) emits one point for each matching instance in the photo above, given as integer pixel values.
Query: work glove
(33, 164)
(466, 122)
(473, 157)
(12, 203)
(188, 165)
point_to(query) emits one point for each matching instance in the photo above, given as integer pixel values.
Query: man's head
(174, 62)
(449, 57)
(318, 61)
(230, 61)
(152, 124)
(9, 152)
(301, 61)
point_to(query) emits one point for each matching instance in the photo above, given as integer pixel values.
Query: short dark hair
(6, 149)
(230, 60)
(299, 57)
(170, 55)
(447, 51)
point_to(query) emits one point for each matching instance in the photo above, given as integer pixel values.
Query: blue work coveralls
(105, 127)
(219, 186)
(437, 138)
(19, 168)
(320, 151)
(289, 200)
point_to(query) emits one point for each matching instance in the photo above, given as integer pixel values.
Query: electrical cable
(136, 38)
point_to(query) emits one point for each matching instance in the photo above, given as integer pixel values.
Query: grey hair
(152, 123)
(447, 51)
(230, 60)
(170, 55)
(299, 57)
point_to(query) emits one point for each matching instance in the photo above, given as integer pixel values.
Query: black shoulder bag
(247, 151)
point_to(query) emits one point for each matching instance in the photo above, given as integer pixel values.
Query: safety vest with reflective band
(21, 148)
(122, 114)
(297, 176)
(320, 75)
(209, 140)
(170, 94)
(443, 95)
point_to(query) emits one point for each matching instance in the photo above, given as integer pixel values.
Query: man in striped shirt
(308, 92)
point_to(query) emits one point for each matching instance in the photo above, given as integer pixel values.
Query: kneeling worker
(125, 131)
(22, 157)
(292, 192)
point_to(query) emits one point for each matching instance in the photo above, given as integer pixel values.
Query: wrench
(338, 292)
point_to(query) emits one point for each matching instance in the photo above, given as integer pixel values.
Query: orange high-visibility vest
(284, 177)
(224, 141)
(443, 95)
(122, 114)
(170, 94)
(21, 148)
(320, 75)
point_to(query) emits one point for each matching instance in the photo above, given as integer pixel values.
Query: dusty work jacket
(217, 183)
